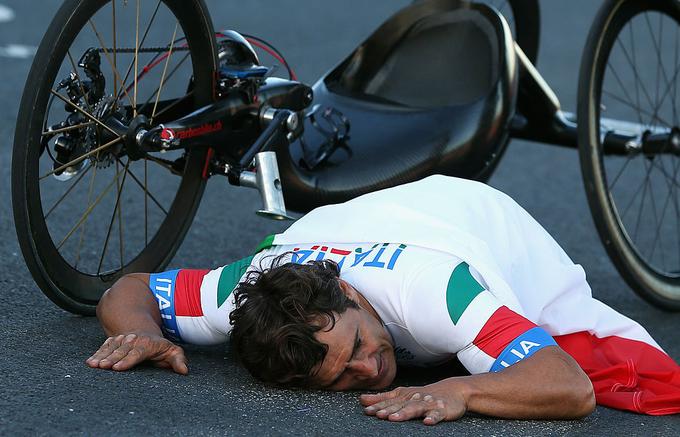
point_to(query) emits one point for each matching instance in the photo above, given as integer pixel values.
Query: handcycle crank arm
(283, 126)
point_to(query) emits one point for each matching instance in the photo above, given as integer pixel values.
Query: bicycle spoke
(677, 212)
(66, 193)
(85, 113)
(642, 111)
(116, 76)
(644, 195)
(120, 223)
(637, 78)
(87, 212)
(667, 90)
(666, 175)
(625, 91)
(68, 128)
(672, 191)
(659, 65)
(146, 203)
(635, 72)
(632, 200)
(157, 91)
(637, 85)
(115, 49)
(161, 162)
(134, 105)
(147, 193)
(113, 217)
(81, 158)
(663, 214)
(654, 213)
(146, 32)
(618, 175)
(165, 69)
(82, 228)
(177, 102)
(675, 84)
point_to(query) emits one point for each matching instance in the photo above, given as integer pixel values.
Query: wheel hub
(96, 135)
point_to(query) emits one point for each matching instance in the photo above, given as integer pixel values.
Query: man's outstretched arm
(129, 315)
(547, 385)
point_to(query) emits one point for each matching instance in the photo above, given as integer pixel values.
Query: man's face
(360, 353)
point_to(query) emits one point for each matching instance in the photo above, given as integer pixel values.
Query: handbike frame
(540, 118)
(238, 127)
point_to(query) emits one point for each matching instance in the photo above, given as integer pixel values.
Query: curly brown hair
(278, 311)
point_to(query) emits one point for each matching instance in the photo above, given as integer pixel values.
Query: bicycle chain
(142, 49)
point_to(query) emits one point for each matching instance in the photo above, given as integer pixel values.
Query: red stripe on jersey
(500, 330)
(188, 292)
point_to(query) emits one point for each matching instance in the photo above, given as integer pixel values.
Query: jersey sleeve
(195, 304)
(451, 311)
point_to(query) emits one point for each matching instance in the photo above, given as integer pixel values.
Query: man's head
(301, 325)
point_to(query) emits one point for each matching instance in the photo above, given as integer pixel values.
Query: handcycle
(440, 87)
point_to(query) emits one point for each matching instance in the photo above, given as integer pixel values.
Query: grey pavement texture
(45, 388)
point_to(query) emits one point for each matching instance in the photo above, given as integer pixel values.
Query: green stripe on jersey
(462, 289)
(266, 243)
(229, 277)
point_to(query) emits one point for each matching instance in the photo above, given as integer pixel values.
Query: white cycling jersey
(452, 267)
(432, 303)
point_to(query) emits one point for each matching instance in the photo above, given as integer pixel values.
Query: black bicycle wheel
(86, 211)
(524, 19)
(628, 89)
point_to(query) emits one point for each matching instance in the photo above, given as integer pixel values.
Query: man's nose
(366, 367)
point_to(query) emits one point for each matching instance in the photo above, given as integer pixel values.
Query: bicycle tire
(69, 288)
(658, 286)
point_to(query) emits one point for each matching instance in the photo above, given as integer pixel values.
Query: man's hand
(435, 402)
(546, 385)
(124, 352)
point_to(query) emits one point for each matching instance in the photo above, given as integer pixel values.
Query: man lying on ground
(420, 274)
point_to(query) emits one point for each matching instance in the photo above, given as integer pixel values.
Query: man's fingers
(134, 356)
(103, 351)
(111, 344)
(370, 399)
(179, 363)
(124, 352)
(388, 403)
(126, 344)
(410, 410)
(433, 417)
(384, 412)
(115, 356)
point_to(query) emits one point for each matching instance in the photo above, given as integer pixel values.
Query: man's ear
(349, 291)
(357, 297)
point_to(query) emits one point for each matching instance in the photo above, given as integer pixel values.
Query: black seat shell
(432, 90)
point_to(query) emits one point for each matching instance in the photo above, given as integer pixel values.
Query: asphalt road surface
(45, 388)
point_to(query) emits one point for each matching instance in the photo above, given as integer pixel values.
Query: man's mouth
(381, 367)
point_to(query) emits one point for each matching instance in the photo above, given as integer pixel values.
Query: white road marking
(16, 51)
(6, 14)
(19, 51)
